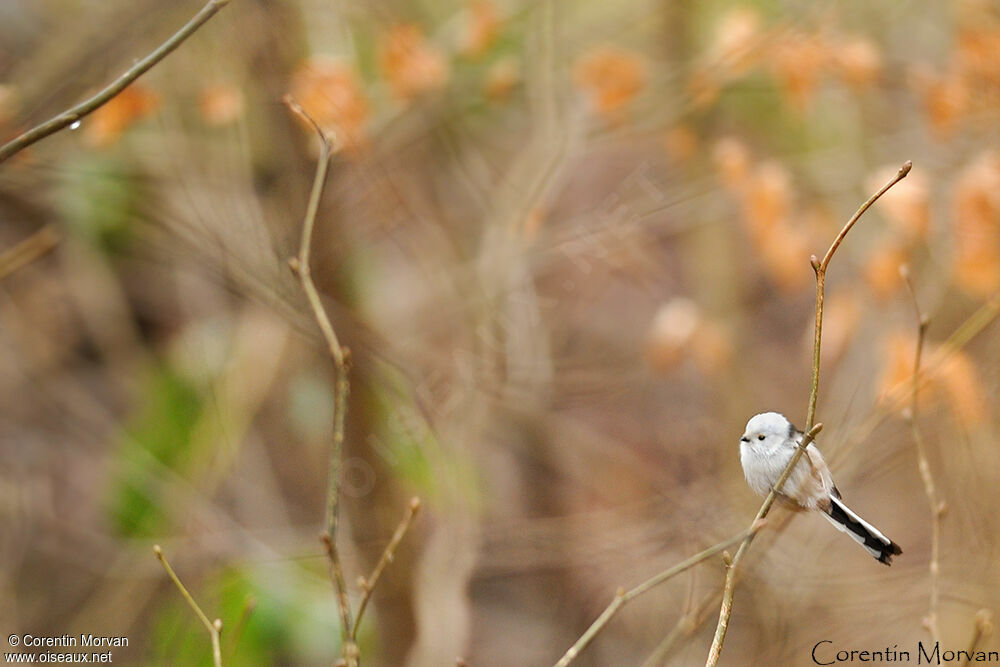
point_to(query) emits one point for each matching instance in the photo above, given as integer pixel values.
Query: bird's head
(768, 428)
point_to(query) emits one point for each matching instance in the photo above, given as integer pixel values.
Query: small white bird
(766, 447)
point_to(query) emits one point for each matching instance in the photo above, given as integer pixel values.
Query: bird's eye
(760, 436)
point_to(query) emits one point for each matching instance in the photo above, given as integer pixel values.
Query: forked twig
(820, 268)
(368, 585)
(214, 627)
(623, 596)
(86, 107)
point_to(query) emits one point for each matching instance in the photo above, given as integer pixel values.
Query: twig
(340, 586)
(937, 506)
(28, 250)
(897, 397)
(621, 597)
(983, 628)
(820, 268)
(300, 264)
(368, 585)
(214, 627)
(300, 267)
(74, 114)
(692, 620)
(726, 608)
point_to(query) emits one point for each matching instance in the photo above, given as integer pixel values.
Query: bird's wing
(820, 471)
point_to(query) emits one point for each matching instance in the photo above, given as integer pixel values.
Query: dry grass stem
(969, 329)
(214, 627)
(28, 250)
(73, 114)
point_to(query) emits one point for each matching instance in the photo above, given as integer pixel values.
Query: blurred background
(568, 246)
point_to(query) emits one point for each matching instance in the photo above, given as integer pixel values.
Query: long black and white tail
(862, 532)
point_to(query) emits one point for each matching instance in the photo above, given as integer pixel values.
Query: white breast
(763, 465)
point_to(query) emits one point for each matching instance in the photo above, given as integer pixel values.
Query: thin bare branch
(28, 250)
(898, 397)
(937, 505)
(820, 268)
(300, 266)
(622, 597)
(693, 619)
(214, 627)
(368, 585)
(900, 175)
(339, 584)
(88, 106)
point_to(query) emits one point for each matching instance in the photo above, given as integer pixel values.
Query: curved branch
(86, 107)
(820, 268)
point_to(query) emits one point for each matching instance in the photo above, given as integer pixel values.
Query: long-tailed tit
(766, 447)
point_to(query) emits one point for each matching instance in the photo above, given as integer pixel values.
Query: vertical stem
(923, 464)
(817, 343)
(341, 390)
(300, 266)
